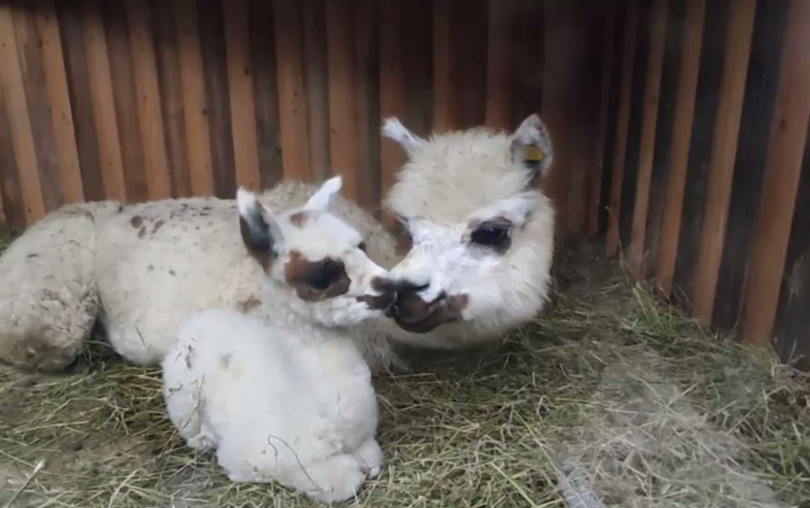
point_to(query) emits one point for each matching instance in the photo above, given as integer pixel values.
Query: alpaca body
(289, 402)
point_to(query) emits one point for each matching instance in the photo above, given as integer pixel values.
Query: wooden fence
(706, 171)
(140, 99)
(680, 125)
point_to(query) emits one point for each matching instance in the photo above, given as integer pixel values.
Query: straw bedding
(608, 396)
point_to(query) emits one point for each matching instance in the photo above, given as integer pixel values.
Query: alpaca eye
(491, 235)
(362, 246)
(323, 277)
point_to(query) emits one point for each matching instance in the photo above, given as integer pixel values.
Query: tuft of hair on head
(531, 146)
(323, 197)
(410, 142)
(260, 232)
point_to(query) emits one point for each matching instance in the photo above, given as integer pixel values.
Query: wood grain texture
(317, 89)
(30, 57)
(393, 93)
(788, 132)
(343, 108)
(101, 92)
(150, 117)
(652, 90)
(125, 99)
(500, 64)
(171, 96)
(606, 68)
(291, 90)
(691, 46)
(445, 111)
(724, 149)
(198, 151)
(53, 61)
(265, 93)
(620, 150)
(240, 89)
(13, 86)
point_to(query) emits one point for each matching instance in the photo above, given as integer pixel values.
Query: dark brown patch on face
(315, 281)
(494, 233)
(298, 219)
(404, 240)
(158, 225)
(225, 361)
(263, 255)
(413, 314)
(385, 299)
(136, 221)
(249, 304)
(142, 232)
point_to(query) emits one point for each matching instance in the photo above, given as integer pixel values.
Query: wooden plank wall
(703, 144)
(147, 99)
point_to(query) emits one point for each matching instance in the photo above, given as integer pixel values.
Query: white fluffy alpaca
(284, 397)
(482, 240)
(479, 236)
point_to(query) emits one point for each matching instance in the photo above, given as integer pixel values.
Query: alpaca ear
(325, 195)
(531, 146)
(260, 232)
(409, 141)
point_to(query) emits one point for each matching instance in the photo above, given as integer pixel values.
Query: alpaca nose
(409, 306)
(387, 297)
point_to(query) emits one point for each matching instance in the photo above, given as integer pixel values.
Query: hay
(634, 398)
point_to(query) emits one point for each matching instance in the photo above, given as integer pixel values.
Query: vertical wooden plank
(101, 92)
(3, 220)
(198, 150)
(158, 178)
(469, 45)
(265, 93)
(721, 165)
(778, 199)
(392, 87)
(620, 153)
(240, 87)
(47, 26)
(790, 338)
(529, 58)
(12, 84)
(126, 100)
(652, 89)
(81, 100)
(342, 99)
(606, 63)
(444, 94)
(10, 193)
(749, 166)
(39, 114)
(367, 93)
(218, 108)
(418, 26)
(663, 132)
(681, 138)
(171, 96)
(291, 90)
(500, 64)
(317, 88)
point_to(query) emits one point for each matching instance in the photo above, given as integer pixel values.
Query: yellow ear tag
(533, 154)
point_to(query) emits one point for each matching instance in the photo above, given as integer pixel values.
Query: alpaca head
(477, 236)
(317, 256)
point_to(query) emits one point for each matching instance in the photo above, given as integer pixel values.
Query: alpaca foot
(335, 479)
(370, 456)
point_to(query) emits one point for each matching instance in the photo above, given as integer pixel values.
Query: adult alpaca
(478, 238)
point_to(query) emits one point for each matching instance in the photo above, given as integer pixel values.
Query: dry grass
(640, 401)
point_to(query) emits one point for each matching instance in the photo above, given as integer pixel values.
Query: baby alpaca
(288, 398)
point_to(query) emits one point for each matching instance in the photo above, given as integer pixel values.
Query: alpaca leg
(335, 479)
(370, 456)
(48, 298)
